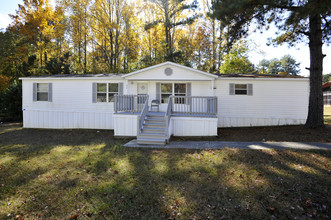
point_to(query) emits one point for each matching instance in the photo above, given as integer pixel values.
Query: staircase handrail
(142, 115)
(168, 116)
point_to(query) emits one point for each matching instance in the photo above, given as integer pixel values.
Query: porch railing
(168, 117)
(193, 105)
(129, 103)
(142, 116)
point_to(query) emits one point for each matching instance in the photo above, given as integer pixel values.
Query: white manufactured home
(163, 100)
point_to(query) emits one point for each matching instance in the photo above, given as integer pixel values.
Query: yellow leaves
(4, 82)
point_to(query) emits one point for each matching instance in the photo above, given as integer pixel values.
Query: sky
(258, 43)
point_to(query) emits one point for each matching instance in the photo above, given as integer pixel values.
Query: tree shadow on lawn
(234, 184)
(43, 140)
(95, 176)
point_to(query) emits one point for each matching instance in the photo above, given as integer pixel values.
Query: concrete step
(158, 141)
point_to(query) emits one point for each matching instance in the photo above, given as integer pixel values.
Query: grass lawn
(82, 174)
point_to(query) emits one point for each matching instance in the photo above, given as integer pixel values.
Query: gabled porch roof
(169, 71)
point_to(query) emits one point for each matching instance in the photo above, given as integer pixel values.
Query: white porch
(184, 116)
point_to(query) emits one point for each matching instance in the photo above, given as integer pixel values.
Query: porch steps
(154, 129)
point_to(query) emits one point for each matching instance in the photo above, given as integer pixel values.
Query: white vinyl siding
(273, 102)
(71, 107)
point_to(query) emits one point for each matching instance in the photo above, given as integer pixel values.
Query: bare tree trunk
(214, 47)
(41, 56)
(45, 57)
(116, 37)
(167, 28)
(315, 112)
(79, 44)
(85, 39)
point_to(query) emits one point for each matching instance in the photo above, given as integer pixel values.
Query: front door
(142, 89)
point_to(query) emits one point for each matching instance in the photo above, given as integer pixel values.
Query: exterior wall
(190, 126)
(125, 125)
(71, 107)
(274, 102)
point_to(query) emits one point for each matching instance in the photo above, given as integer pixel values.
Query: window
(177, 89)
(112, 91)
(241, 89)
(180, 90)
(101, 92)
(42, 92)
(166, 91)
(105, 92)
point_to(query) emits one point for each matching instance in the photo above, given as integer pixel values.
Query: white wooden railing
(193, 105)
(142, 116)
(129, 103)
(168, 117)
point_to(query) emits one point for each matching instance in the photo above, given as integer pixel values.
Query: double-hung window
(42, 92)
(101, 92)
(112, 91)
(166, 91)
(105, 92)
(176, 89)
(240, 89)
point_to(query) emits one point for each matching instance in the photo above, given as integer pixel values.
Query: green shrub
(11, 103)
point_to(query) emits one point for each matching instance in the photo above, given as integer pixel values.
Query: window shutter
(34, 92)
(249, 89)
(188, 89)
(188, 92)
(94, 92)
(231, 92)
(120, 88)
(50, 92)
(158, 91)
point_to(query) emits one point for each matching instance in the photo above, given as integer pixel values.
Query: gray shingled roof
(118, 76)
(78, 76)
(258, 76)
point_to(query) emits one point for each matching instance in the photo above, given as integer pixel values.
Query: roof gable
(169, 71)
